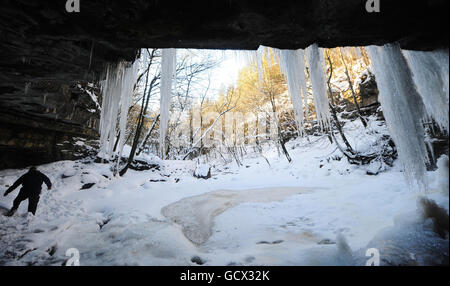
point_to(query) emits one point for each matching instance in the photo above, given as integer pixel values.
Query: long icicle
(116, 91)
(431, 82)
(128, 81)
(103, 114)
(168, 68)
(111, 92)
(403, 109)
(319, 85)
(292, 63)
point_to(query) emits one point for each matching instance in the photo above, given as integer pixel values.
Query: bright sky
(222, 76)
(227, 72)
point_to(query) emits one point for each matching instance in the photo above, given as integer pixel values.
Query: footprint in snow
(273, 242)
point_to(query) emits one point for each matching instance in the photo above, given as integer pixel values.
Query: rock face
(22, 146)
(47, 122)
(46, 53)
(368, 90)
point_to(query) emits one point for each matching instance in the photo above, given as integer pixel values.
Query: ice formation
(430, 74)
(318, 81)
(259, 62)
(403, 109)
(248, 56)
(128, 81)
(106, 116)
(115, 90)
(168, 69)
(358, 52)
(253, 57)
(292, 63)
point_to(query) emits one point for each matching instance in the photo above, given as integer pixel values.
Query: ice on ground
(196, 214)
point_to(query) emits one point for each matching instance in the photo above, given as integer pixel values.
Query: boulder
(202, 171)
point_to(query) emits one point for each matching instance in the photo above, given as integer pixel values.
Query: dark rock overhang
(42, 34)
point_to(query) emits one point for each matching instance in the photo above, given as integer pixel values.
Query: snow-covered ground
(262, 213)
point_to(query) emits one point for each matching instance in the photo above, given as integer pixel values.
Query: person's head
(32, 169)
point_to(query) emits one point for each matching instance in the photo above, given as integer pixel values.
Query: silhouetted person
(31, 189)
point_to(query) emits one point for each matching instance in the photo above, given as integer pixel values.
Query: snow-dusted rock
(202, 171)
(69, 173)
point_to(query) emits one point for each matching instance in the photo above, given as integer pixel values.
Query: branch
(206, 132)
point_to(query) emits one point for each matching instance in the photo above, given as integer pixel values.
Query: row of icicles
(413, 86)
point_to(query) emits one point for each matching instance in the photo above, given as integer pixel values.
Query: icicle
(252, 57)
(305, 101)
(168, 69)
(128, 81)
(27, 87)
(319, 86)
(106, 114)
(292, 63)
(248, 56)
(259, 53)
(441, 57)
(431, 79)
(267, 51)
(402, 108)
(116, 91)
(90, 55)
(276, 53)
(358, 52)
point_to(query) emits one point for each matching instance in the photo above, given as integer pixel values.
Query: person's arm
(14, 186)
(47, 181)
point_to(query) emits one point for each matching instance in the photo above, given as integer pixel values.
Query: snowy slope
(119, 221)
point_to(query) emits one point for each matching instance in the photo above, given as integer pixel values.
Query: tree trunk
(148, 135)
(333, 111)
(363, 121)
(143, 111)
(281, 140)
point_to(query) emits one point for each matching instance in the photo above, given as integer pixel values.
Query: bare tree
(334, 113)
(363, 121)
(147, 136)
(280, 136)
(205, 133)
(143, 111)
(267, 87)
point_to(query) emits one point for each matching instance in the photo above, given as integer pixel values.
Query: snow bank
(313, 211)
